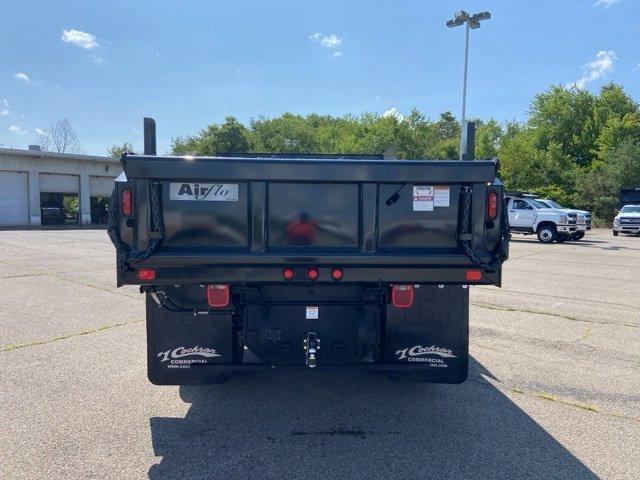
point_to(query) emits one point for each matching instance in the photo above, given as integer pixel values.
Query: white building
(29, 177)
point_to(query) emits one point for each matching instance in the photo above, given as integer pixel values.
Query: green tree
(564, 116)
(488, 135)
(116, 151)
(598, 188)
(231, 136)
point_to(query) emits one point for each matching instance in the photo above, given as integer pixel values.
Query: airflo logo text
(433, 355)
(210, 192)
(183, 357)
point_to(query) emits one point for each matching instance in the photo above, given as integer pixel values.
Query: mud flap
(432, 335)
(182, 347)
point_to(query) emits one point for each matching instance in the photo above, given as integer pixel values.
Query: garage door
(59, 183)
(14, 198)
(100, 186)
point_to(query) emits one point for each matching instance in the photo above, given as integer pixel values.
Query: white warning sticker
(441, 196)
(312, 313)
(423, 198)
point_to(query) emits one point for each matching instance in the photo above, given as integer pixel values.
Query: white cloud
(135, 130)
(606, 3)
(17, 129)
(326, 41)
(330, 41)
(393, 112)
(336, 54)
(97, 59)
(22, 76)
(79, 38)
(597, 69)
(40, 132)
(5, 107)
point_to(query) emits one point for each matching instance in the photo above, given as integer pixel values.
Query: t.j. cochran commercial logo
(419, 351)
(182, 352)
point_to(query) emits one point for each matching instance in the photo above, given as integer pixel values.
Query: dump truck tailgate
(269, 212)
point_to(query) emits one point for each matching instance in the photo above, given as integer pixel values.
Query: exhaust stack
(149, 136)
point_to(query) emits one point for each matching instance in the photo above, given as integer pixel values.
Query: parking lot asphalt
(553, 389)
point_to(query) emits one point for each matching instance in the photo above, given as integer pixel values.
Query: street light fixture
(471, 21)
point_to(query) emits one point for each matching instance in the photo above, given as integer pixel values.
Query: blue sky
(105, 65)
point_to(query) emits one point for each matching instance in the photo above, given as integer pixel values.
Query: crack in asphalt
(53, 275)
(564, 401)
(491, 306)
(16, 346)
(90, 285)
(542, 395)
(562, 297)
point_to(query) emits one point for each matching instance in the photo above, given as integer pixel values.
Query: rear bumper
(270, 274)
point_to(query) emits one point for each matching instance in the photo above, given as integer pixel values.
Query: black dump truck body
(305, 262)
(629, 196)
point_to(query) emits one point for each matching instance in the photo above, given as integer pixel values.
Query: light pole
(470, 21)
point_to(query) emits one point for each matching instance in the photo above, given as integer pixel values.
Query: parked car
(528, 216)
(627, 220)
(583, 219)
(52, 212)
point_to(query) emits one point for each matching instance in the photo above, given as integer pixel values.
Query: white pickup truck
(627, 220)
(583, 217)
(528, 216)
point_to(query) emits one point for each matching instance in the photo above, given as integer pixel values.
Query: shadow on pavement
(326, 425)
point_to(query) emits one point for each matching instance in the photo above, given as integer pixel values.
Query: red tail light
(473, 275)
(402, 296)
(218, 296)
(288, 274)
(126, 202)
(492, 205)
(336, 274)
(312, 274)
(146, 274)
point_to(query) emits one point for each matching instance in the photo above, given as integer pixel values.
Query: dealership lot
(554, 387)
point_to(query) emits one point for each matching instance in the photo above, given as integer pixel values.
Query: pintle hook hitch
(311, 345)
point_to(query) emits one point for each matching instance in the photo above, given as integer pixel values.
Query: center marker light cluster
(312, 274)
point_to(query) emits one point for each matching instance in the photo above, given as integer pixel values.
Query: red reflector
(288, 273)
(336, 274)
(492, 205)
(146, 274)
(127, 202)
(312, 273)
(402, 296)
(218, 296)
(474, 275)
